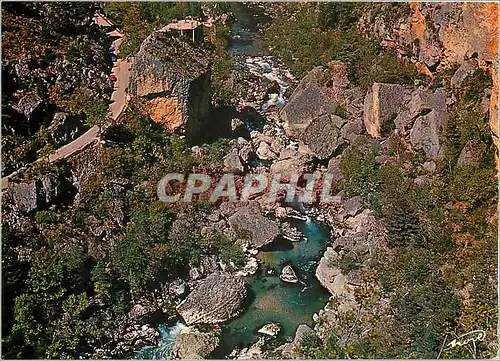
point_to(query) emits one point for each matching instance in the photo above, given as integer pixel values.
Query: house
(191, 28)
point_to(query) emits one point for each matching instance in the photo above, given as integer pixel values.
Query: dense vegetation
(309, 35)
(116, 243)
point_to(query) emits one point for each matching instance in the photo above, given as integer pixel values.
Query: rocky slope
(440, 36)
(55, 68)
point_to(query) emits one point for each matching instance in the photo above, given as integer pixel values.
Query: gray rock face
(353, 205)
(352, 130)
(463, 72)
(310, 117)
(288, 275)
(218, 299)
(382, 104)
(330, 277)
(323, 135)
(250, 224)
(265, 152)
(422, 102)
(291, 161)
(65, 128)
(335, 171)
(362, 234)
(425, 134)
(27, 197)
(232, 163)
(24, 196)
(308, 101)
(193, 344)
(472, 154)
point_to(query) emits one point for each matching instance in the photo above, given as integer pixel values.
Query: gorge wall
(439, 36)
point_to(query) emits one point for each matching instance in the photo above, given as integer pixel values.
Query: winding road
(121, 69)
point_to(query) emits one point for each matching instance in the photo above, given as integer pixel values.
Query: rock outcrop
(271, 329)
(218, 299)
(193, 344)
(292, 349)
(382, 104)
(251, 226)
(28, 105)
(439, 36)
(30, 196)
(311, 114)
(173, 78)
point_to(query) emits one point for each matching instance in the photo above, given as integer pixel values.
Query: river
(270, 299)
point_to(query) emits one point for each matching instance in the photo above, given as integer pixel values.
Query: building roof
(101, 20)
(186, 24)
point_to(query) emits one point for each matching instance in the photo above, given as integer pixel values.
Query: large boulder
(311, 115)
(249, 224)
(232, 163)
(329, 276)
(288, 275)
(323, 135)
(30, 196)
(218, 299)
(309, 101)
(382, 104)
(291, 161)
(194, 344)
(172, 76)
(422, 102)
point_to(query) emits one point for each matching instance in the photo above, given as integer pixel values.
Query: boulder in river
(193, 344)
(218, 299)
(250, 224)
(271, 329)
(288, 275)
(291, 233)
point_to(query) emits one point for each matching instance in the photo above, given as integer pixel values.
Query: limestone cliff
(438, 36)
(172, 76)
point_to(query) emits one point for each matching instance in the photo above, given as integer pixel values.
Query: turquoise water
(272, 300)
(165, 346)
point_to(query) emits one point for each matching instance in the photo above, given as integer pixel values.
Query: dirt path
(119, 97)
